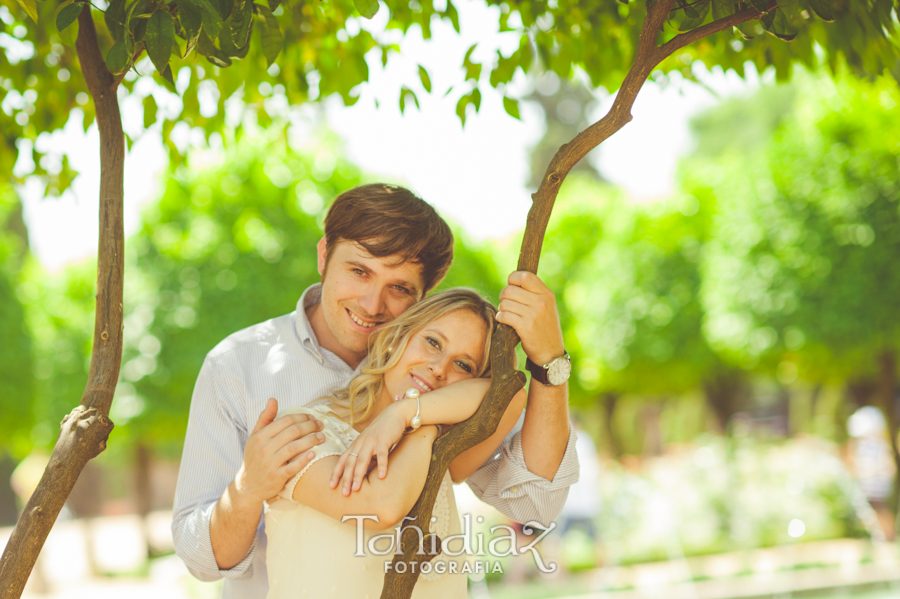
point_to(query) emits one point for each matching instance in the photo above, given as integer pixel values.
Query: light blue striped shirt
(282, 358)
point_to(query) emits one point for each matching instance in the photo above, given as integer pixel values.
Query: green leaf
(150, 109)
(405, 91)
(823, 8)
(68, 35)
(117, 57)
(30, 8)
(691, 11)
(212, 54)
(366, 8)
(760, 5)
(452, 14)
(241, 21)
(68, 15)
(160, 38)
(210, 17)
(511, 107)
(426, 80)
(191, 23)
(168, 79)
(273, 4)
(461, 109)
(115, 18)
(272, 40)
(692, 22)
(225, 7)
(781, 27)
(473, 71)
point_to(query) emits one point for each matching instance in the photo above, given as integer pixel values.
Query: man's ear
(320, 252)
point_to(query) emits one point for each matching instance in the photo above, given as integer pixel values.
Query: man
(383, 249)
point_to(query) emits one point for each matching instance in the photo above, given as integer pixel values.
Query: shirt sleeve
(332, 445)
(505, 483)
(213, 453)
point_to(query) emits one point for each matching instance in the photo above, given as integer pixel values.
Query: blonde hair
(354, 402)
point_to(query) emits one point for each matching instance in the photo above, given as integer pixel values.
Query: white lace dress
(313, 555)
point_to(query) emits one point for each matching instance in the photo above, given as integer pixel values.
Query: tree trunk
(505, 379)
(722, 393)
(143, 490)
(83, 433)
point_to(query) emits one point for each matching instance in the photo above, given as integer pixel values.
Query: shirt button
(514, 490)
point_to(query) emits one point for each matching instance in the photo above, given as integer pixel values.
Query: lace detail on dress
(346, 433)
(441, 526)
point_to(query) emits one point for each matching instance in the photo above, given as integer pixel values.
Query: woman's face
(444, 351)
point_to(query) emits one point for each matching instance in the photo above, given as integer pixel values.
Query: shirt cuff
(513, 473)
(199, 556)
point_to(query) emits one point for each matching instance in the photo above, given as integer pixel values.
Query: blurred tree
(16, 381)
(631, 309)
(567, 106)
(799, 277)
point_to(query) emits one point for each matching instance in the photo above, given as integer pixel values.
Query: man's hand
(374, 442)
(276, 451)
(529, 307)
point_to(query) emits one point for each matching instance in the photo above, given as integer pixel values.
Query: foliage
(631, 280)
(806, 235)
(261, 56)
(16, 360)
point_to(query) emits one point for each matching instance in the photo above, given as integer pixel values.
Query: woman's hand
(374, 442)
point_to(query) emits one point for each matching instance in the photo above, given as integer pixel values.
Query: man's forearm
(232, 527)
(545, 431)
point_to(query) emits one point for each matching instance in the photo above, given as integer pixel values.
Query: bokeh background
(731, 315)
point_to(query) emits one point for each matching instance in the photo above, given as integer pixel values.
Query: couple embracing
(329, 413)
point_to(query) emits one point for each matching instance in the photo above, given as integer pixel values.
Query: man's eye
(359, 271)
(402, 290)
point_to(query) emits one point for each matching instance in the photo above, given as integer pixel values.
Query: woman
(438, 349)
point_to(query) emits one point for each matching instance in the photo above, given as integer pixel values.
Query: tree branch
(84, 432)
(689, 37)
(506, 380)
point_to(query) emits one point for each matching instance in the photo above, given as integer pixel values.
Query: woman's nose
(436, 367)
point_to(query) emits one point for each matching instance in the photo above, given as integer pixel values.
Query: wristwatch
(552, 374)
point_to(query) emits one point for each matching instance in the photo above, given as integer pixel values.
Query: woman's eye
(433, 342)
(465, 367)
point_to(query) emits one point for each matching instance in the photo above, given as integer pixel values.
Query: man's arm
(273, 455)
(535, 467)
(213, 455)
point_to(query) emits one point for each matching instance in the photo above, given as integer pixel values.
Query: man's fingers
(298, 446)
(297, 463)
(528, 281)
(267, 416)
(289, 430)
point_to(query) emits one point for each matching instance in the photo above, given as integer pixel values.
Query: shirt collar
(311, 297)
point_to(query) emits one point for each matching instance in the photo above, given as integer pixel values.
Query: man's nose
(372, 301)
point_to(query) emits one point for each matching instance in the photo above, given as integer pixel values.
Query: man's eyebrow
(359, 265)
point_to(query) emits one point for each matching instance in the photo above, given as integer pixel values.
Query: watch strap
(540, 373)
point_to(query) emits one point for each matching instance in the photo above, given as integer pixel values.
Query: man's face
(360, 293)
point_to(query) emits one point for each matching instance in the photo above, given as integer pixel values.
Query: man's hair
(388, 220)
(387, 344)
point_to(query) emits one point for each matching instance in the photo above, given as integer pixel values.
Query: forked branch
(506, 380)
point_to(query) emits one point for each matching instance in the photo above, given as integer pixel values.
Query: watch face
(559, 370)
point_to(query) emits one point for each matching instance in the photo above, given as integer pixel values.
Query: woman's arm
(447, 405)
(389, 498)
(473, 458)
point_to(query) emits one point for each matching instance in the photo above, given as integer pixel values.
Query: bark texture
(505, 380)
(83, 433)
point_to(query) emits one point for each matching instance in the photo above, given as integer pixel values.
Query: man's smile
(363, 323)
